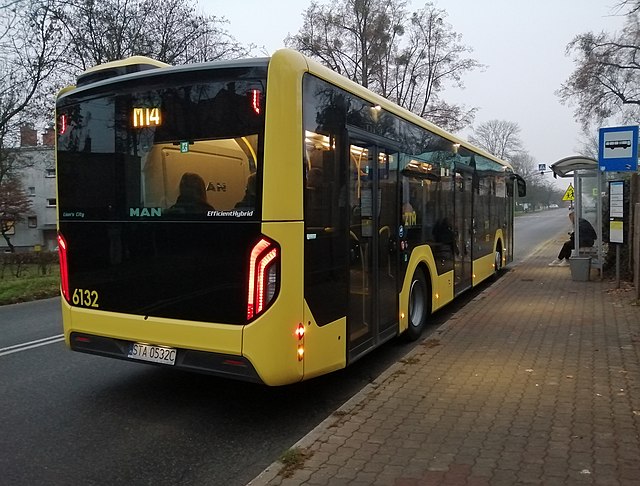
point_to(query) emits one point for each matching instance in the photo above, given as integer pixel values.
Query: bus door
(373, 270)
(463, 228)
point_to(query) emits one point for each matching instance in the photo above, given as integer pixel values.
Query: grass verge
(29, 286)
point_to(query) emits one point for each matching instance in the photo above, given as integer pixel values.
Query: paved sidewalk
(535, 381)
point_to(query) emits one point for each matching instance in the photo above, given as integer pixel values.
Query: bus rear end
(162, 247)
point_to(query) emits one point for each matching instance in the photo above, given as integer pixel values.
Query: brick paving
(535, 381)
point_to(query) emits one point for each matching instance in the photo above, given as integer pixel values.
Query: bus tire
(419, 305)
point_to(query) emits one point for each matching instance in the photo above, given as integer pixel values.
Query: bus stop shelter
(587, 184)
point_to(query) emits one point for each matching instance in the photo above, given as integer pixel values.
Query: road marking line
(31, 344)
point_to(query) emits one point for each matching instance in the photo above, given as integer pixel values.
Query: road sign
(568, 194)
(616, 212)
(618, 149)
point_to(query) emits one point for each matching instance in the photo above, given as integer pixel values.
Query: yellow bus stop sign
(568, 195)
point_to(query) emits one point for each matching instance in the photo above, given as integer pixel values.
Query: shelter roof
(565, 167)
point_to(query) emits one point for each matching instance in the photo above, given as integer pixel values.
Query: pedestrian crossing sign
(568, 194)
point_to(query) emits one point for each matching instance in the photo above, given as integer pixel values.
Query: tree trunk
(12, 248)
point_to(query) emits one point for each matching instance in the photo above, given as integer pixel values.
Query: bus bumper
(218, 364)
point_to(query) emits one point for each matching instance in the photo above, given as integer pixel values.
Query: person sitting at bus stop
(588, 237)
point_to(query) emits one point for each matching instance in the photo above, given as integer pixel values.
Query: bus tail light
(264, 264)
(64, 267)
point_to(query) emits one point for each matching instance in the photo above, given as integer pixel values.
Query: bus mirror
(522, 186)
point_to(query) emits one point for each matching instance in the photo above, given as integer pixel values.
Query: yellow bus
(265, 220)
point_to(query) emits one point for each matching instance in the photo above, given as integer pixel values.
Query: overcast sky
(521, 42)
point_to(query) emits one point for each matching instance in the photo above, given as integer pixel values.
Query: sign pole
(617, 152)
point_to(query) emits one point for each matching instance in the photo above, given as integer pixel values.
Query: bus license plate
(155, 354)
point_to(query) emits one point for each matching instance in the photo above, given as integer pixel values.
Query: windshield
(171, 147)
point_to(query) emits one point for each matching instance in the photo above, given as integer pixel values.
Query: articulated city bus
(265, 219)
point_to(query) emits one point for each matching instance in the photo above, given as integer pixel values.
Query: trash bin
(580, 268)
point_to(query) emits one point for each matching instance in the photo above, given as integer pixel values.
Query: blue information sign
(618, 149)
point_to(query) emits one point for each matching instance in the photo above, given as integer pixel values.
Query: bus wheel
(418, 306)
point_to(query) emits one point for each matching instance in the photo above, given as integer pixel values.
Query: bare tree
(525, 165)
(498, 137)
(433, 56)
(29, 52)
(99, 31)
(606, 81)
(406, 58)
(350, 37)
(14, 204)
(589, 143)
(540, 190)
(632, 6)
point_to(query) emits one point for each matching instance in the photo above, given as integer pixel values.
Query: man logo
(217, 187)
(145, 212)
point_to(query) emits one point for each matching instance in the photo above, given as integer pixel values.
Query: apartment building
(38, 229)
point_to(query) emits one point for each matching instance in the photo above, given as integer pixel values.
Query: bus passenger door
(373, 287)
(463, 228)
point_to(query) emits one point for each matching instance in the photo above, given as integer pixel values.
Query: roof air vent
(118, 68)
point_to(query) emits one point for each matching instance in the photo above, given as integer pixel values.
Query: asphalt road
(70, 418)
(534, 229)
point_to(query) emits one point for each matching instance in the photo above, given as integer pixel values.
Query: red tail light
(64, 268)
(263, 276)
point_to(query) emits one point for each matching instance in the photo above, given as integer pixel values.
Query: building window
(33, 221)
(51, 202)
(32, 191)
(51, 172)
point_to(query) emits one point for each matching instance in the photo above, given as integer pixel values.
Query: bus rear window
(180, 151)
